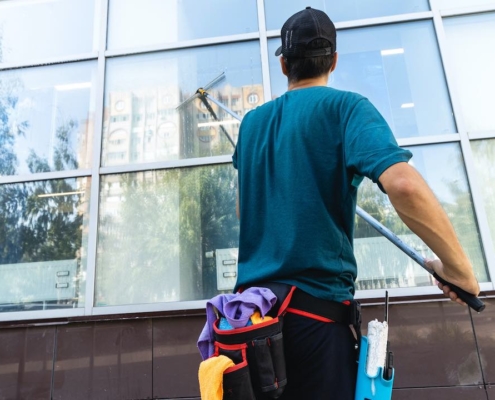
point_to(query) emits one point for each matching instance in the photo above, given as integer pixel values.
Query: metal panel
(104, 360)
(433, 344)
(454, 393)
(26, 363)
(38, 282)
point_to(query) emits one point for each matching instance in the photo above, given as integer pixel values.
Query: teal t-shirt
(300, 159)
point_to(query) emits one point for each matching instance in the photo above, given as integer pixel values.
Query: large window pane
(277, 11)
(472, 56)
(43, 244)
(47, 115)
(398, 68)
(380, 263)
(484, 161)
(149, 22)
(157, 231)
(31, 30)
(142, 121)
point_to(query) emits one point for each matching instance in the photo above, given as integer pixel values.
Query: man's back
(300, 159)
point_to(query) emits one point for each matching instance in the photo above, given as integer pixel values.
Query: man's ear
(283, 65)
(334, 63)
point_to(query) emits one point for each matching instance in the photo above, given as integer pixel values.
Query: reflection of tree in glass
(484, 151)
(9, 129)
(219, 224)
(152, 243)
(137, 244)
(461, 213)
(377, 204)
(36, 228)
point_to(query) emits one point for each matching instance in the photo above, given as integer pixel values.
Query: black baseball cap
(304, 27)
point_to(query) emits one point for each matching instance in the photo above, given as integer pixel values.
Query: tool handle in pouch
(470, 299)
(372, 387)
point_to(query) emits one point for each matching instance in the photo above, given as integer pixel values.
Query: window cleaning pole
(471, 300)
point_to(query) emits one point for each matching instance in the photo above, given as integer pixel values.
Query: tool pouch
(371, 387)
(258, 354)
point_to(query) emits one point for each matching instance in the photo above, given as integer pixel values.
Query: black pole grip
(470, 299)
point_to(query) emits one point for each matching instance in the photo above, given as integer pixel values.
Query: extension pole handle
(470, 299)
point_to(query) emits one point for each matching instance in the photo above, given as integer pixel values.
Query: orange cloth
(211, 377)
(256, 318)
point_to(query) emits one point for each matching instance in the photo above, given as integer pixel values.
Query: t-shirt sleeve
(370, 146)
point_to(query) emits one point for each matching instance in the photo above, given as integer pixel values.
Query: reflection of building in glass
(239, 99)
(141, 126)
(146, 126)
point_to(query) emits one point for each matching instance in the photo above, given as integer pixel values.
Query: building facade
(117, 193)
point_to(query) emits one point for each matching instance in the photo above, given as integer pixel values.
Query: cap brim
(279, 51)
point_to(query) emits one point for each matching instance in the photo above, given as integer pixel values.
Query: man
(300, 159)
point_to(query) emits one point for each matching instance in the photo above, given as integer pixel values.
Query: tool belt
(258, 350)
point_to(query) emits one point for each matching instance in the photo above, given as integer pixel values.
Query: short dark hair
(313, 67)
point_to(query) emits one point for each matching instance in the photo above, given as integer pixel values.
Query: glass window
(48, 115)
(135, 23)
(445, 4)
(473, 61)
(146, 118)
(51, 27)
(380, 263)
(398, 68)
(159, 231)
(484, 156)
(43, 244)
(278, 11)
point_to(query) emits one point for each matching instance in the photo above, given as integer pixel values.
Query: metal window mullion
(361, 23)
(44, 176)
(421, 140)
(476, 195)
(95, 176)
(265, 60)
(50, 61)
(42, 315)
(182, 44)
(481, 135)
(468, 10)
(161, 165)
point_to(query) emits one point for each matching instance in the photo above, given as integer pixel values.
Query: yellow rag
(256, 318)
(211, 377)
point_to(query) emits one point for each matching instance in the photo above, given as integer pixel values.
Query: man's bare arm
(418, 207)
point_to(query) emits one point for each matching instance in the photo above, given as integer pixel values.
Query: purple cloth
(237, 309)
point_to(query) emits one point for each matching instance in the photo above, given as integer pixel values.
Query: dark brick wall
(438, 355)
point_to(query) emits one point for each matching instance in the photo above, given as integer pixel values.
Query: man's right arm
(418, 207)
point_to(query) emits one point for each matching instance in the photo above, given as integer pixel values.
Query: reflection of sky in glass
(473, 67)
(441, 165)
(277, 11)
(148, 22)
(48, 98)
(188, 69)
(398, 68)
(50, 27)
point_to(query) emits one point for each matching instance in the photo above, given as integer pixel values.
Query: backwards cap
(304, 27)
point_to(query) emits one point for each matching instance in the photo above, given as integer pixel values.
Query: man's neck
(310, 82)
